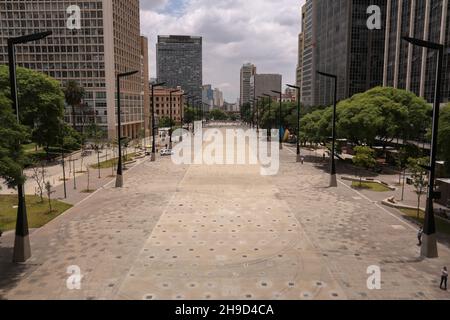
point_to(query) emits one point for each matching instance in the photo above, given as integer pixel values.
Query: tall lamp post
(153, 156)
(171, 116)
(119, 176)
(333, 179)
(269, 128)
(429, 244)
(22, 249)
(280, 116)
(182, 113)
(298, 121)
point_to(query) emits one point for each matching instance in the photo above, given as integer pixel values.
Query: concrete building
(301, 48)
(179, 63)
(264, 84)
(107, 43)
(338, 41)
(247, 71)
(218, 99)
(413, 68)
(162, 104)
(208, 96)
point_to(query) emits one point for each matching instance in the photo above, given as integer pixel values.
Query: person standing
(419, 236)
(444, 278)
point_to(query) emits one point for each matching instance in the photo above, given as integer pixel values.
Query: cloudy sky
(234, 32)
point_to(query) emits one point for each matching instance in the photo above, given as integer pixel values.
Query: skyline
(226, 48)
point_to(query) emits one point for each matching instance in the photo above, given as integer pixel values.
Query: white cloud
(264, 32)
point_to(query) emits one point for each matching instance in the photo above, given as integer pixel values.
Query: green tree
(247, 114)
(218, 115)
(444, 137)
(418, 175)
(166, 122)
(364, 159)
(383, 113)
(41, 102)
(74, 95)
(189, 115)
(12, 156)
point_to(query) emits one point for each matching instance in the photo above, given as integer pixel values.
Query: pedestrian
(444, 278)
(419, 236)
(303, 160)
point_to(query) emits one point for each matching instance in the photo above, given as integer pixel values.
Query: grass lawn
(442, 225)
(31, 147)
(38, 213)
(110, 163)
(370, 186)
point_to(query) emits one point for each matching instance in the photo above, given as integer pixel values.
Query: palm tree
(74, 94)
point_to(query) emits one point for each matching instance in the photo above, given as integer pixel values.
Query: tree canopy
(12, 156)
(41, 103)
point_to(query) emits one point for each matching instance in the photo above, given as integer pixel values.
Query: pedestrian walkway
(224, 232)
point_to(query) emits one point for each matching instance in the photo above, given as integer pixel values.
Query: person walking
(444, 278)
(419, 236)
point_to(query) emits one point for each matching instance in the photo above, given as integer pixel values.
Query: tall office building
(338, 41)
(301, 48)
(218, 99)
(409, 67)
(179, 63)
(261, 84)
(247, 71)
(107, 43)
(208, 96)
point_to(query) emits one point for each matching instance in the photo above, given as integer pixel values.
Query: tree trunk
(418, 207)
(74, 123)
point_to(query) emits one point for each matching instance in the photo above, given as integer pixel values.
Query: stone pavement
(224, 232)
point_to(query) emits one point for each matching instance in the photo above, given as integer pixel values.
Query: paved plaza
(224, 232)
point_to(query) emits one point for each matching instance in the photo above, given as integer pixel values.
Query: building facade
(248, 70)
(409, 67)
(338, 41)
(218, 99)
(179, 63)
(208, 96)
(107, 43)
(163, 104)
(264, 84)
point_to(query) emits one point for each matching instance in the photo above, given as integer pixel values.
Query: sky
(263, 32)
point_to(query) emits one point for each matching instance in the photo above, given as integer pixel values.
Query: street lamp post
(153, 156)
(22, 249)
(333, 179)
(298, 121)
(429, 244)
(269, 129)
(171, 127)
(119, 176)
(280, 117)
(182, 113)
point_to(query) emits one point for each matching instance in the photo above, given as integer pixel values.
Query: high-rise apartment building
(409, 67)
(266, 83)
(107, 43)
(179, 63)
(301, 48)
(247, 71)
(338, 41)
(218, 98)
(208, 96)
